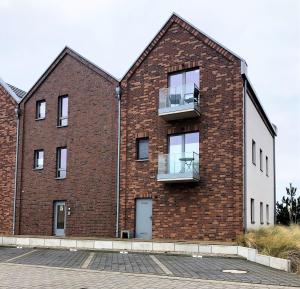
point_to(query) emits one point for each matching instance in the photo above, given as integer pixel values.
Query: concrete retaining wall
(148, 246)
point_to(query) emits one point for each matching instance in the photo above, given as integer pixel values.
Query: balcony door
(182, 85)
(181, 152)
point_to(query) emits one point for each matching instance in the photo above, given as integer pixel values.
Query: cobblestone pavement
(209, 268)
(16, 276)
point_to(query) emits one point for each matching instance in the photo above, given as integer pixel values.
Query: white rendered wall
(258, 186)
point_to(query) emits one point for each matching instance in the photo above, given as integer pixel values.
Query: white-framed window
(261, 212)
(40, 110)
(61, 163)
(252, 211)
(253, 152)
(261, 159)
(63, 111)
(38, 159)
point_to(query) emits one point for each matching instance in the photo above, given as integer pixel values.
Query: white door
(143, 219)
(59, 218)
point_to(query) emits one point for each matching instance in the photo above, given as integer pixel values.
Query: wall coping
(177, 247)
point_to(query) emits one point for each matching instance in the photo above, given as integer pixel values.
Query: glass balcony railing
(179, 102)
(180, 167)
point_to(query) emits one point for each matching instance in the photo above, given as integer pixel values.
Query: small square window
(142, 148)
(38, 159)
(40, 109)
(254, 152)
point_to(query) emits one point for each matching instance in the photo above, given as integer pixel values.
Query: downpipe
(18, 113)
(118, 96)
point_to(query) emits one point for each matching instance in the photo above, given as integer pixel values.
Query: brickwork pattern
(8, 130)
(89, 188)
(213, 208)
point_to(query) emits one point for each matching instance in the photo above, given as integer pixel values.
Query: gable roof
(15, 93)
(209, 41)
(19, 92)
(77, 56)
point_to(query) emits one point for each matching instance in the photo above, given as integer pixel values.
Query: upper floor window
(142, 148)
(261, 212)
(63, 107)
(267, 166)
(261, 159)
(38, 159)
(61, 163)
(183, 152)
(40, 109)
(184, 87)
(254, 152)
(252, 211)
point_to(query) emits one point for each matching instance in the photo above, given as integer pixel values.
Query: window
(267, 166)
(183, 152)
(254, 152)
(63, 106)
(184, 87)
(38, 159)
(261, 159)
(252, 211)
(61, 160)
(261, 212)
(142, 148)
(267, 214)
(40, 109)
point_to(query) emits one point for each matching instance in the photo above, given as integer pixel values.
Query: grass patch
(277, 241)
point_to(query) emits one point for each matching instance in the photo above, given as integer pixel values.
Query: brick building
(10, 96)
(190, 120)
(67, 161)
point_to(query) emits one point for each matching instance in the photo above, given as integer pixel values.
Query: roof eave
(10, 91)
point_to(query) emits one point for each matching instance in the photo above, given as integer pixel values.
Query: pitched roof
(209, 41)
(77, 56)
(15, 93)
(19, 92)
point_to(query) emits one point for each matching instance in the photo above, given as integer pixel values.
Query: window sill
(60, 178)
(37, 169)
(142, 160)
(38, 119)
(60, 126)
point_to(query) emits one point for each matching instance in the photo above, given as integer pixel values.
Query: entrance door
(143, 219)
(59, 218)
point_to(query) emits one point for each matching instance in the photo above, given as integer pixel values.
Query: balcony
(179, 102)
(178, 168)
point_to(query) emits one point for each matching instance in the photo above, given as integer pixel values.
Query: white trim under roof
(9, 90)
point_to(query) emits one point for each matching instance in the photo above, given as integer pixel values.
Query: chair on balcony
(174, 99)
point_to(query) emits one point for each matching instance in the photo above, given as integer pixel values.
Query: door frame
(55, 203)
(135, 214)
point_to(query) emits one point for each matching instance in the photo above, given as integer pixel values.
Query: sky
(112, 34)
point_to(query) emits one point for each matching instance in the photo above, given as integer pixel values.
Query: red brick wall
(213, 208)
(89, 189)
(8, 130)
